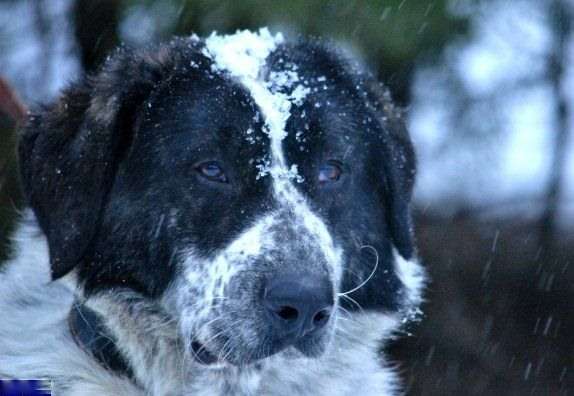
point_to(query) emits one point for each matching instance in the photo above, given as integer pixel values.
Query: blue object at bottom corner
(25, 388)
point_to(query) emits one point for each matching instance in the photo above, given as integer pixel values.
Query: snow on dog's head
(255, 188)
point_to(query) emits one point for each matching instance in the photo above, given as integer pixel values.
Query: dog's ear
(69, 151)
(399, 169)
(399, 181)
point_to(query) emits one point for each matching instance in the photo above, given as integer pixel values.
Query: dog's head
(252, 188)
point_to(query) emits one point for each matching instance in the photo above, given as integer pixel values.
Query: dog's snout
(298, 306)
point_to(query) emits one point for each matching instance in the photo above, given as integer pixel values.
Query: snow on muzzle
(273, 287)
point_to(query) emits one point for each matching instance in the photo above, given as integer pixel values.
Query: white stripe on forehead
(244, 56)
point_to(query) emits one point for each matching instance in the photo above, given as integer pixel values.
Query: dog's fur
(126, 220)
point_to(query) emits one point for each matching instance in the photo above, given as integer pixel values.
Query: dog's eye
(330, 172)
(212, 171)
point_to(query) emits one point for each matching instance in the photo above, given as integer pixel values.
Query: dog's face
(253, 188)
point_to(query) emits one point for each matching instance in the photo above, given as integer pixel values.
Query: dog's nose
(297, 305)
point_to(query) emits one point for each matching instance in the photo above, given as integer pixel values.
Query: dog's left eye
(212, 171)
(330, 172)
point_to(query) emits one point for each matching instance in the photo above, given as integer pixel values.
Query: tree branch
(560, 20)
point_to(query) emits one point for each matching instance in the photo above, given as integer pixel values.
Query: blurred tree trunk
(561, 24)
(42, 26)
(96, 24)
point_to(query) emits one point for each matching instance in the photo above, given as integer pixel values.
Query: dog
(218, 216)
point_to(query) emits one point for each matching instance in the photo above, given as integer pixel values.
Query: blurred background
(489, 89)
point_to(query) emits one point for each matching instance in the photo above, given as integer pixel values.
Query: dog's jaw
(159, 366)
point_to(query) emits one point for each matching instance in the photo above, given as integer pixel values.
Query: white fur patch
(413, 277)
(351, 366)
(205, 279)
(35, 341)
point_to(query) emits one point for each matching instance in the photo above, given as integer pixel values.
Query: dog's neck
(145, 336)
(91, 334)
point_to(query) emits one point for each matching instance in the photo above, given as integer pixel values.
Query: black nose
(298, 305)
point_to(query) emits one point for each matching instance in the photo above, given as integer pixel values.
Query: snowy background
(489, 89)
(495, 89)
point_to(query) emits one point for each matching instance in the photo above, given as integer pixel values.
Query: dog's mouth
(310, 347)
(206, 357)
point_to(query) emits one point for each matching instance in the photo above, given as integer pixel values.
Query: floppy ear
(399, 170)
(399, 181)
(69, 151)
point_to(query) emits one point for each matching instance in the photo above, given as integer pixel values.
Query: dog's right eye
(212, 171)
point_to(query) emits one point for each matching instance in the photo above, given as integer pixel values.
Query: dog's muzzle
(293, 309)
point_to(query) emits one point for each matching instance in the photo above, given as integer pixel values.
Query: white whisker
(369, 277)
